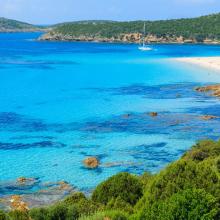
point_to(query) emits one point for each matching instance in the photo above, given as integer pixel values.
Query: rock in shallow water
(153, 114)
(16, 203)
(26, 181)
(208, 117)
(29, 194)
(214, 89)
(91, 162)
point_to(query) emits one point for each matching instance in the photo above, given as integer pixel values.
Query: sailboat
(144, 47)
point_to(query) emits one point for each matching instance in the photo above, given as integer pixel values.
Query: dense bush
(71, 208)
(197, 169)
(110, 215)
(123, 185)
(192, 204)
(3, 216)
(17, 215)
(39, 213)
(119, 204)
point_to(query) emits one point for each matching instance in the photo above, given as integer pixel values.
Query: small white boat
(144, 47)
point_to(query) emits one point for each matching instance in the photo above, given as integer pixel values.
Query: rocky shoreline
(122, 38)
(28, 193)
(213, 90)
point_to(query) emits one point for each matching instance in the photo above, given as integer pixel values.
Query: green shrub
(119, 204)
(111, 215)
(123, 185)
(187, 173)
(203, 150)
(39, 214)
(3, 215)
(58, 212)
(73, 213)
(116, 215)
(17, 215)
(192, 204)
(74, 198)
(96, 216)
(197, 169)
(146, 178)
(86, 207)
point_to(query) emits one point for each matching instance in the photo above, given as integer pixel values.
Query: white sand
(206, 62)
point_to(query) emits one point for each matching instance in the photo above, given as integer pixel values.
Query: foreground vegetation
(195, 29)
(188, 189)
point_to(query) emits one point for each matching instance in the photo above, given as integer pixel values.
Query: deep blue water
(63, 102)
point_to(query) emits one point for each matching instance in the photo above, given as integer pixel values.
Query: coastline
(211, 63)
(123, 38)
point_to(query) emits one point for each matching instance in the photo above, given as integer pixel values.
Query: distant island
(9, 25)
(205, 29)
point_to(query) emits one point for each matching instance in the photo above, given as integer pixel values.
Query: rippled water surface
(63, 102)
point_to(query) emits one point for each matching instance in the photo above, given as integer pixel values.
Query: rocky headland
(123, 38)
(194, 30)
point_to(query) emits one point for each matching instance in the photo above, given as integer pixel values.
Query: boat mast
(144, 35)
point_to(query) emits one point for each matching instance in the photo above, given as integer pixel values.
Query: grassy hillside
(197, 29)
(9, 25)
(187, 189)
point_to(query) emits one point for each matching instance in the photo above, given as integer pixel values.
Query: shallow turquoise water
(63, 102)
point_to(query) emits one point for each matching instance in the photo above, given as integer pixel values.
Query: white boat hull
(145, 48)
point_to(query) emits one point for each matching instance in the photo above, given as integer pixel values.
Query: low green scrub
(123, 185)
(71, 208)
(188, 204)
(107, 215)
(196, 174)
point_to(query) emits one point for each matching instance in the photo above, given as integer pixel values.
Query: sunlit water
(63, 102)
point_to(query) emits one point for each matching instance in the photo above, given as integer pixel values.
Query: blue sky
(53, 11)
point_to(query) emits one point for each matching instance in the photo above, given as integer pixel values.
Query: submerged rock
(36, 195)
(128, 115)
(63, 185)
(208, 117)
(122, 163)
(91, 162)
(178, 95)
(25, 180)
(153, 114)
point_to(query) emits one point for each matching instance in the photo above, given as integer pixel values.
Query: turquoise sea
(63, 102)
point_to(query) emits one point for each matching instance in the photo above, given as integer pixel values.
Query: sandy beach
(206, 62)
